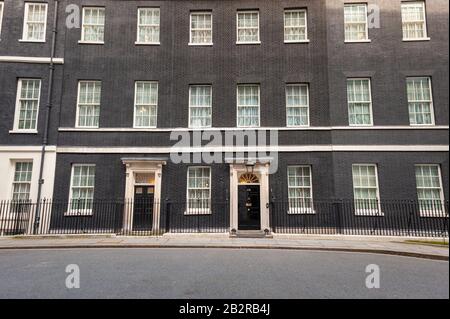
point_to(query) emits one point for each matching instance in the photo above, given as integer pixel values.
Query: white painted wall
(10, 154)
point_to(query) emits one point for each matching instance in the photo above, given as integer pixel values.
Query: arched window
(248, 178)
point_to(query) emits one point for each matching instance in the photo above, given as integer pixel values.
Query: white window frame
(77, 124)
(300, 107)
(237, 106)
(25, 23)
(152, 25)
(191, 107)
(433, 119)
(197, 211)
(14, 163)
(135, 104)
(432, 213)
(2, 7)
(16, 128)
(367, 39)
(190, 28)
(368, 212)
(425, 29)
(82, 41)
(79, 212)
(237, 27)
(370, 101)
(301, 210)
(306, 40)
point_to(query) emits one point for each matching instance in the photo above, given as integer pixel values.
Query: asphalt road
(216, 273)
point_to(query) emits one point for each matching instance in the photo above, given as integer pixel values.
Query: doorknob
(267, 205)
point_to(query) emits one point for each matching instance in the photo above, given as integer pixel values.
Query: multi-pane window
(148, 25)
(365, 188)
(429, 190)
(420, 101)
(22, 181)
(1, 17)
(88, 109)
(35, 21)
(27, 105)
(198, 190)
(146, 104)
(201, 28)
(355, 21)
(300, 190)
(248, 27)
(414, 20)
(200, 101)
(295, 26)
(93, 28)
(297, 105)
(248, 105)
(82, 189)
(359, 99)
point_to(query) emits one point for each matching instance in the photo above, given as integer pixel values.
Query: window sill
(369, 213)
(422, 125)
(298, 126)
(200, 44)
(142, 127)
(360, 125)
(296, 41)
(358, 41)
(78, 213)
(31, 41)
(248, 43)
(91, 42)
(194, 212)
(23, 132)
(147, 43)
(301, 211)
(417, 40)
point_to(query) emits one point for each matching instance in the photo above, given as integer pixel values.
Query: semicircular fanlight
(248, 178)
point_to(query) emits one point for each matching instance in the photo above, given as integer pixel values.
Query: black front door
(249, 207)
(143, 207)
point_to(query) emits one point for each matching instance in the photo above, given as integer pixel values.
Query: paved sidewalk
(382, 245)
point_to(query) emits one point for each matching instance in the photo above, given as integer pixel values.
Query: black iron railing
(151, 218)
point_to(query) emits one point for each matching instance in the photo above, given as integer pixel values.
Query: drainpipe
(47, 119)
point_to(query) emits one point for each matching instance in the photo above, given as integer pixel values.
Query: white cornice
(239, 149)
(27, 59)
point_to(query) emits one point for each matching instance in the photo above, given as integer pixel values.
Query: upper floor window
(21, 186)
(35, 20)
(248, 27)
(365, 188)
(200, 101)
(300, 190)
(199, 190)
(1, 17)
(27, 105)
(429, 190)
(148, 26)
(359, 102)
(146, 104)
(88, 106)
(297, 105)
(414, 22)
(201, 28)
(295, 26)
(248, 97)
(420, 101)
(82, 185)
(93, 26)
(356, 24)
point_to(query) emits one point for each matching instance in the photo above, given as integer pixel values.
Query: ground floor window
(82, 189)
(365, 188)
(199, 190)
(22, 181)
(429, 190)
(300, 190)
